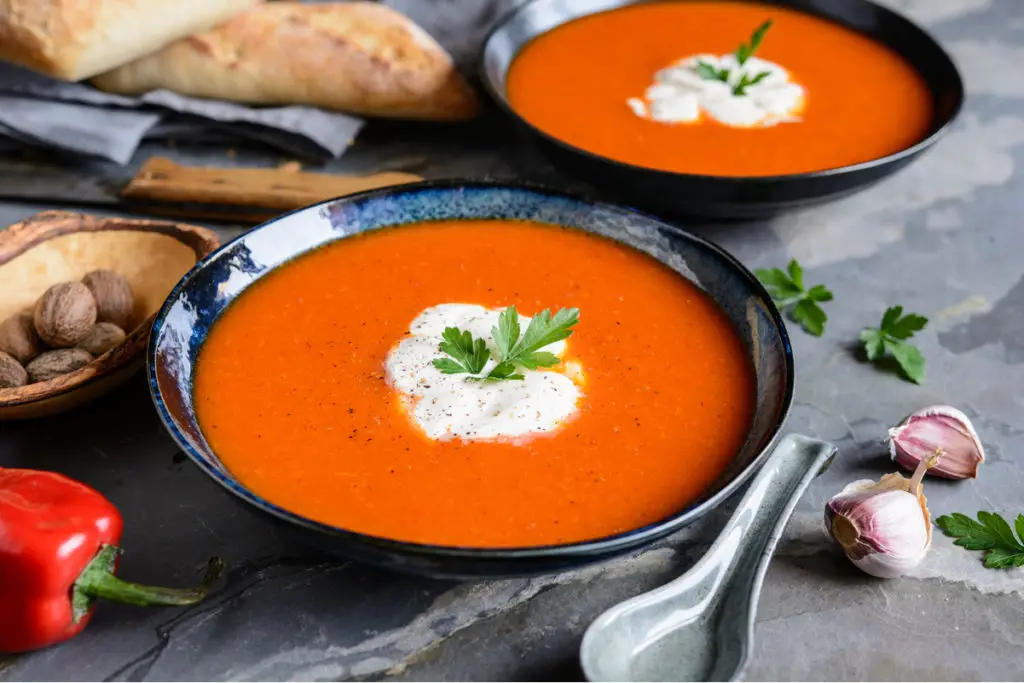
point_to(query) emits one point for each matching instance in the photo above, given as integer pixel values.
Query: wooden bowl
(55, 246)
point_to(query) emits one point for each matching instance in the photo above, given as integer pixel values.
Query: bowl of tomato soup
(723, 108)
(473, 379)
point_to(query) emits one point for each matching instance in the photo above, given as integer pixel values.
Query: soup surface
(860, 100)
(292, 393)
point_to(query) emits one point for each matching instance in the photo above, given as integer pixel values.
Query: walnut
(101, 338)
(115, 301)
(11, 373)
(18, 338)
(50, 364)
(65, 314)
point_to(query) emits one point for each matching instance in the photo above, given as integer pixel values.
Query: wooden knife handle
(278, 189)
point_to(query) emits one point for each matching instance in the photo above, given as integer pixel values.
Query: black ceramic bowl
(674, 194)
(200, 298)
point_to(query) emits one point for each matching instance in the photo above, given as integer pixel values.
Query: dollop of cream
(680, 94)
(455, 406)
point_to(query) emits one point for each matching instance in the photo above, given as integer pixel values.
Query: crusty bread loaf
(77, 39)
(358, 57)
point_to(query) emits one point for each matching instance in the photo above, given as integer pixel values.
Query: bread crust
(75, 39)
(359, 57)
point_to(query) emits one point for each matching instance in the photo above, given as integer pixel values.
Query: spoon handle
(715, 602)
(737, 562)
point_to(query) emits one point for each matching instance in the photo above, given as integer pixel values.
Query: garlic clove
(938, 429)
(883, 527)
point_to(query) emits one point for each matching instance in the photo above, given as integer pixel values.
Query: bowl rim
(48, 225)
(598, 546)
(934, 136)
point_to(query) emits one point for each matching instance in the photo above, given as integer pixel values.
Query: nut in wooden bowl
(18, 337)
(100, 273)
(64, 314)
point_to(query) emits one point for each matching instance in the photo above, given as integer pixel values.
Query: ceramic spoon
(700, 627)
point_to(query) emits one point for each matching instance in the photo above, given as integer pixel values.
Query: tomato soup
(850, 99)
(293, 395)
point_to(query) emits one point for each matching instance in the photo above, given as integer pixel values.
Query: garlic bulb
(934, 429)
(884, 528)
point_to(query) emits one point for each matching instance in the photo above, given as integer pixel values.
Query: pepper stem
(97, 580)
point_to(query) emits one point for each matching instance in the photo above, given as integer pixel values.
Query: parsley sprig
(891, 337)
(709, 73)
(787, 290)
(465, 354)
(746, 81)
(744, 52)
(990, 533)
(469, 355)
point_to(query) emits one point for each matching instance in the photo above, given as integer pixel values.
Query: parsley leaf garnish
(710, 73)
(506, 334)
(466, 354)
(469, 355)
(744, 52)
(745, 82)
(891, 335)
(544, 329)
(990, 533)
(787, 290)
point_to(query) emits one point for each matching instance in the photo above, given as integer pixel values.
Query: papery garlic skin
(934, 429)
(885, 527)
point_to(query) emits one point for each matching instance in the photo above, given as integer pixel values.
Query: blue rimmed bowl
(201, 297)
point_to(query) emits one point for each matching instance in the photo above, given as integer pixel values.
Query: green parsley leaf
(546, 329)
(1000, 558)
(505, 370)
(746, 51)
(469, 355)
(819, 293)
(449, 366)
(537, 359)
(745, 82)
(809, 316)
(466, 353)
(891, 315)
(786, 288)
(506, 334)
(909, 358)
(905, 327)
(796, 273)
(874, 344)
(778, 283)
(890, 337)
(709, 73)
(991, 533)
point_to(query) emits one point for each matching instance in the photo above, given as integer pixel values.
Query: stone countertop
(942, 238)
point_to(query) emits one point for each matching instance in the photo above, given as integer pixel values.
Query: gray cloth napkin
(77, 118)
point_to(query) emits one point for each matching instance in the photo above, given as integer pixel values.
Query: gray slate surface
(943, 238)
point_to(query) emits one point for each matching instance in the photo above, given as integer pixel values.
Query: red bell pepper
(58, 554)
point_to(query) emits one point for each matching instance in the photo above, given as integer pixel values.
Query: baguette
(358, 57)
(76, 39)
